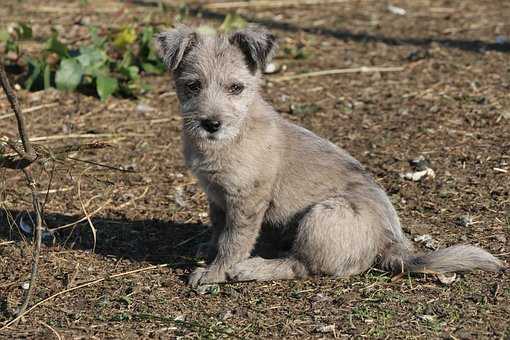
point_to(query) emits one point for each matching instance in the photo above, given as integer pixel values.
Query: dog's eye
(194, 86)
(235, 88)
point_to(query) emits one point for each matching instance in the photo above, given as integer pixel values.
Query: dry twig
(270, 4)
(362, 69)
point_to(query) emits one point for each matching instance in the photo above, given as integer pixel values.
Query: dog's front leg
(235, 241)
(209, 249)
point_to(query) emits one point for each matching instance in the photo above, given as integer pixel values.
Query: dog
(263, 174)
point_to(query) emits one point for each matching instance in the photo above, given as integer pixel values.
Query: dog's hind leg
(336, 237)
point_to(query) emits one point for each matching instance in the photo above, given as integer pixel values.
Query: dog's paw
(246, 271)
(211, 274)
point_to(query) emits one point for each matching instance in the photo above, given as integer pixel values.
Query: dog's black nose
(210, 125)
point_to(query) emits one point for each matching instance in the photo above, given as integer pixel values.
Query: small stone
(321, 298)
(179, 197)
(25, 285)
(226, 315)
(423, 238)
(427, 240)
(435, 109)
(304, 109)
(396, 10)
(208, 289)
(429, 318)
(144, 108)
(180, 318)
(272, 68)
(464, 221)
(420, 163)
(501, 238)
(325, 328)
(418, 175)
(444, 279)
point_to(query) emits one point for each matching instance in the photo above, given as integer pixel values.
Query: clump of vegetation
(109, 65)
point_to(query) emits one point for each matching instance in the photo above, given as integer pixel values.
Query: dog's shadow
(154, 241)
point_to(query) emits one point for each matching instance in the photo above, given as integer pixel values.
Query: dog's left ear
(257, 44)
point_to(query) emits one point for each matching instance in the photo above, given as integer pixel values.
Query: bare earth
(450, 103)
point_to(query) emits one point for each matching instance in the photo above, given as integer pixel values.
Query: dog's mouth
(208, 129)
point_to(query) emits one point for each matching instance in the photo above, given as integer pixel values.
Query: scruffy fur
(265, 176)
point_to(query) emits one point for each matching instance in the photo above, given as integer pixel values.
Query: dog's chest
(219, 176)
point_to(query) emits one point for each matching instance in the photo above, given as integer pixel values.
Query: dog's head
(217, 76)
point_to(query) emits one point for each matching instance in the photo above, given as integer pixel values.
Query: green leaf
(23, 31)
(106, 86)
(131, 72)
(97, 41)
(56, 46)
(125, 37)
(92, 59)
(153, 68)
(147, 35)
(233, 21)
(47, 77)
(4, 36)
(69, 75)
(34, 72)
(127, 59)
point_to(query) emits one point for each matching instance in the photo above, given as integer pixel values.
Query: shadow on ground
(466, 45)
(153, 241)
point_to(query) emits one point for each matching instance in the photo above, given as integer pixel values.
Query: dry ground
(451, 103)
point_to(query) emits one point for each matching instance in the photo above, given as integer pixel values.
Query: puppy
(264, 174)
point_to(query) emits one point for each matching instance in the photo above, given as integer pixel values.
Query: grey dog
(265, 175)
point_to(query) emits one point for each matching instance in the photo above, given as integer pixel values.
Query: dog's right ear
(172, 45)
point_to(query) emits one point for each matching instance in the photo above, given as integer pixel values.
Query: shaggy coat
(267, 179)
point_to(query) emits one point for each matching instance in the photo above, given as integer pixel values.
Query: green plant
(109, 65)
(9, 39)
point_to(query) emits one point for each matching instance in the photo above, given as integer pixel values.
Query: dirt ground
(449, 103)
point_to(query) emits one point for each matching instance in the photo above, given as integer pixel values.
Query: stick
(270, 4)
(51, 329)
(83, 218)
(6, 243)
(363, 69)
(89, 220)
(86, 284)
(89, 135)
(37, 240)
(29, 154)
(31, 109)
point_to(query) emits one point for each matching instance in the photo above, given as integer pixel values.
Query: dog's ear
(172, 45)
(257, 44)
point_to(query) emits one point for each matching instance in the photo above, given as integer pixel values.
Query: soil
(450, 103)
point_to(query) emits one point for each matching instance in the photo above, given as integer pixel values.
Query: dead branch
(37, 239)
(28, 155)
(43, 153)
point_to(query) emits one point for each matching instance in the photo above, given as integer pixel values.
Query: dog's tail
(458, 258)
